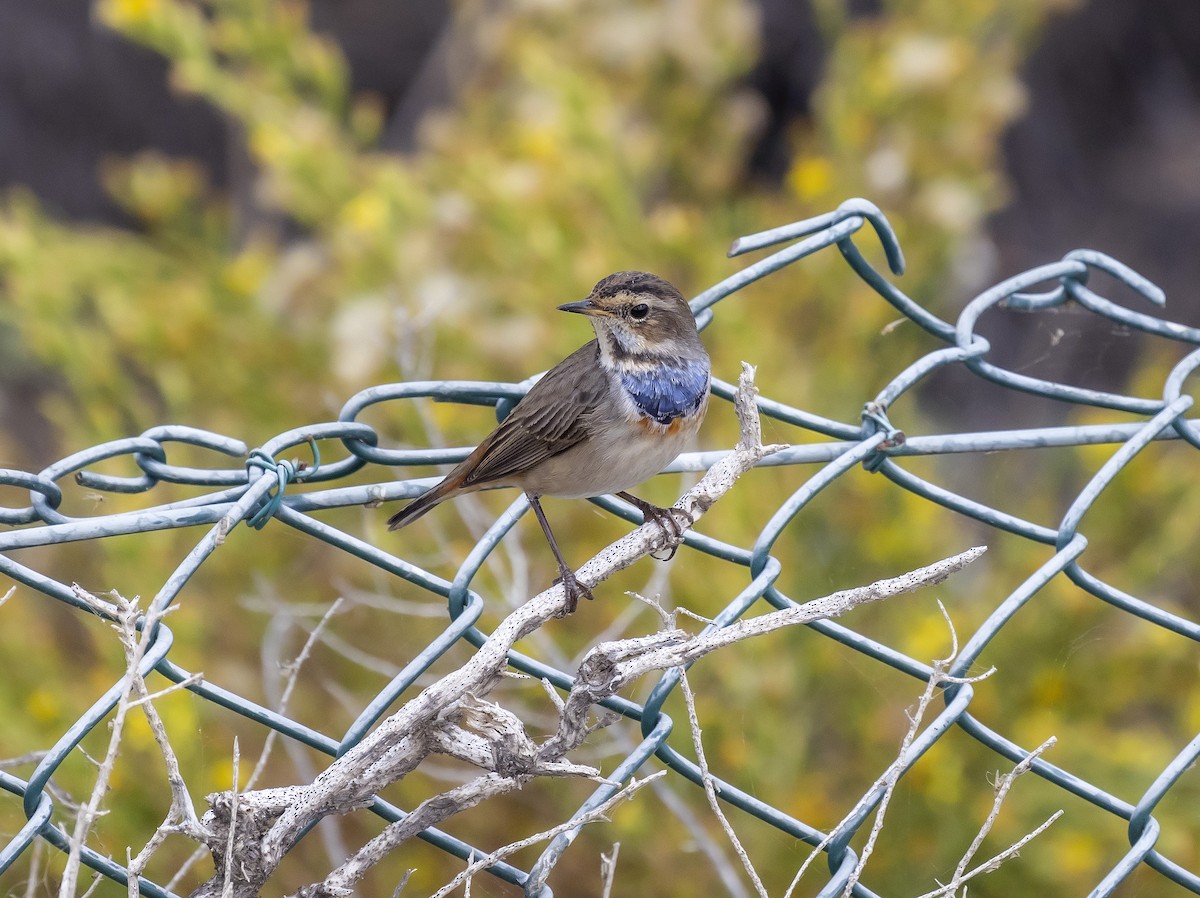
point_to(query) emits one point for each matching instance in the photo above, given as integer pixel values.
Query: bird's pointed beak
(585, 307)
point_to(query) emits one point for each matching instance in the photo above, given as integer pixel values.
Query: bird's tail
(424, 502)
(450, 486)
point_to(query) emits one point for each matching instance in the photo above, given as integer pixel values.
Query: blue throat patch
(670, 391)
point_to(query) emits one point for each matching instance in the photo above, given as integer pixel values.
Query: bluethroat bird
(607, 417)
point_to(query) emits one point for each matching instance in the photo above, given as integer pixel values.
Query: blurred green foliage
(586, 137)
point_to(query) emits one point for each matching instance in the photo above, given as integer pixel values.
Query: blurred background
(236, 214)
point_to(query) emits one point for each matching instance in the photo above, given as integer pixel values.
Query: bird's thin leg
(572, 587)
(665, 518)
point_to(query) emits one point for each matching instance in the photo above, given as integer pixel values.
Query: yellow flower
(366, 213)
(43, 705)
(129, 12)
(541, 144)
(810, 177)
(269, 143)
(247, 272)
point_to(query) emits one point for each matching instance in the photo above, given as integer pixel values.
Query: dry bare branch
(292, 669)
(710, 791)
(891, 776)
(889, 779)
(961, 874)
(231, 834)
(600, 812)
(608, 869)
(125, 614)
(273, 818)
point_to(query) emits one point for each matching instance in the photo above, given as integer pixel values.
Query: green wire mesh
(257, 491)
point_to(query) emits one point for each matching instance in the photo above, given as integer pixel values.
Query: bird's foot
(673, 522)
(573, 589)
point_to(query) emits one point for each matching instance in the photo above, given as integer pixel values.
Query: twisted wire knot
(875, 420)
(285, 471)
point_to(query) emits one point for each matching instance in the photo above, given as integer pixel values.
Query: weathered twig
(181, 815)
(710, 791)
(292, 671)
(608, 869)
(961, 874)
(610, 666)
(891, 776)
(1002, 787)
(125, 615)
(600, 812)
(231, 834)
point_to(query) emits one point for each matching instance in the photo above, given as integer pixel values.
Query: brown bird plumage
(604, 419)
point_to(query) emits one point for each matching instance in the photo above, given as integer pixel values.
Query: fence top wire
(259, 486)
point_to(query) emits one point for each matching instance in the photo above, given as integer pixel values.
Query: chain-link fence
(296, 495)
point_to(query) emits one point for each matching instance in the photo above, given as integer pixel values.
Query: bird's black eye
(640, 311)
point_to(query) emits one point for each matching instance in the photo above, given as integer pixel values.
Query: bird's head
(639, 315)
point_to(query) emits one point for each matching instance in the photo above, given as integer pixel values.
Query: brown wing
(550, 419)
